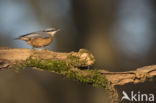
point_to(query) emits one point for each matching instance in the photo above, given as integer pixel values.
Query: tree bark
(10, 57)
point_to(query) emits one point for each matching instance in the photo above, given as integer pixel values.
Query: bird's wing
(35, 35)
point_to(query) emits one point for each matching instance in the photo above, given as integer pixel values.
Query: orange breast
(40, 42)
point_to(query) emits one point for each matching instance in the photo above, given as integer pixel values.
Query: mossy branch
(68, 64)
(77, 59)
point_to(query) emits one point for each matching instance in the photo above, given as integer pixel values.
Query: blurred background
(120, 33)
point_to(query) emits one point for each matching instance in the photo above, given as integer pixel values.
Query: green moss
(19, 66)
(56, 65)
(75, 61)
(91, 77)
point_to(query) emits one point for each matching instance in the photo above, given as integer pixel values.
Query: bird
(39, 38)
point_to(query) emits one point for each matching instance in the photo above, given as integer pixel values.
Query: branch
(79, 59)
(139, 75)
(68, 64)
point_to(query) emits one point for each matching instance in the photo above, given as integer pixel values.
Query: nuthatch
(39, 38)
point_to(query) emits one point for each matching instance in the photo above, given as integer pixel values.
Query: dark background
(120, 34)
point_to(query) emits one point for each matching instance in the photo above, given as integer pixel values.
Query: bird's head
(51, 31)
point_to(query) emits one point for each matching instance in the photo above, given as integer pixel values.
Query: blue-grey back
(36, 35)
